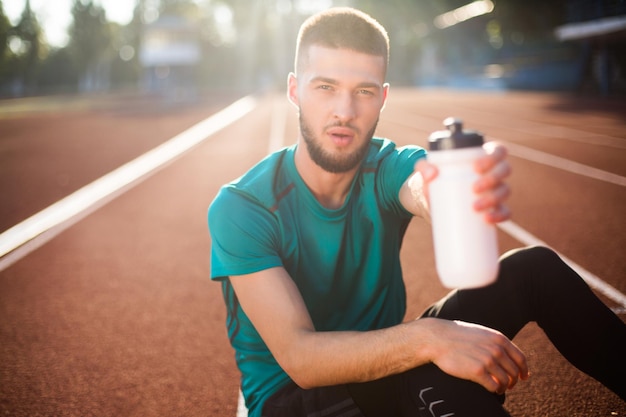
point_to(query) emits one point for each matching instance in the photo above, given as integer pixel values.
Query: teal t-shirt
(345, 262)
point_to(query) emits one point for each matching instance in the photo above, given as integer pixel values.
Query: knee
(542, 264)
(533, 255)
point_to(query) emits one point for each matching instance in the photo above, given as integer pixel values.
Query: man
(306, 245)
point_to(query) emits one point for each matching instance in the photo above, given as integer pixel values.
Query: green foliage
(58, 73)
(26, 49)
(90, 35)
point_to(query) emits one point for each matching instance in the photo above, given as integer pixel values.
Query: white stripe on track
(562, 163)
(276, 141)
(38, 229)
(242, 411)
(593, 280)
(555, 131)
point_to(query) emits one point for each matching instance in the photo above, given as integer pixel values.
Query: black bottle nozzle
(454, 137)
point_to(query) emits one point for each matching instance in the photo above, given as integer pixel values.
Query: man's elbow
(300, 372)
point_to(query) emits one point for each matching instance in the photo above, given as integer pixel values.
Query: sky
(56, 16)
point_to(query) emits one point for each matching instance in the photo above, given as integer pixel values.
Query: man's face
(340, 94)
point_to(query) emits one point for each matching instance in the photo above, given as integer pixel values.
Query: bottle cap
(455, 137)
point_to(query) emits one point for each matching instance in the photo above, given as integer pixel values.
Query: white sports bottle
(466, 246)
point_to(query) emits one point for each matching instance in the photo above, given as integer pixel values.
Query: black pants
(534, 284)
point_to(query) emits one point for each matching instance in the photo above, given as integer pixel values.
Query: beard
(329, 162)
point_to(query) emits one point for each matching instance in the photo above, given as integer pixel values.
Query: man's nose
(345, 107)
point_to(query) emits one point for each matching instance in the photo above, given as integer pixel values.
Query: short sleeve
(244, 235)
(392, 172)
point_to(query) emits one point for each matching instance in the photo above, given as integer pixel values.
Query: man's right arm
(273, 303)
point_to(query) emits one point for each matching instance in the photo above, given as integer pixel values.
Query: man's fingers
(504, 369)
(492, 376)
(495, 153)
(505, 364)
(491, 189)
(492, 198)
(498, 214)
(514, 364)
(491, 178)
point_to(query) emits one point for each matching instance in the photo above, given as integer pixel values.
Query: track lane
(111, 312)
(116, 315)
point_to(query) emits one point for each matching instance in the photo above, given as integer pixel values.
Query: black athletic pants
(533, 285)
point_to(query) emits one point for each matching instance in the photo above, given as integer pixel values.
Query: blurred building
(562, 45)
(599, 27)
(170, 53)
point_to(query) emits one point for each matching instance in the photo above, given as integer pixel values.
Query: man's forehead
(328, 60)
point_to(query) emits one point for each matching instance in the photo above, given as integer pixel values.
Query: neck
(329, 188)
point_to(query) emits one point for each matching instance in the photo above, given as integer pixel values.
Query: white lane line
(533, 155)
(562, 163)
(276, 141)
(61, 215)
(593, 280)
(549, 131)
(242, 411)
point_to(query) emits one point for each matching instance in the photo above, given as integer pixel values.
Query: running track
(111, 312)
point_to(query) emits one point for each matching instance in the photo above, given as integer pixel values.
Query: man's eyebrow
(369, 84)
(324, 80)
(364, 84)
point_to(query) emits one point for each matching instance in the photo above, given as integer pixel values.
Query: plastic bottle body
(466, 247)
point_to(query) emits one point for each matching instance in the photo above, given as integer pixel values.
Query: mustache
(342, 124)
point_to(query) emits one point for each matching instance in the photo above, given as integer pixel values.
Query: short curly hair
(343, 27)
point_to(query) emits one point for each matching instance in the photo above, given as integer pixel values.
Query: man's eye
(366, 92)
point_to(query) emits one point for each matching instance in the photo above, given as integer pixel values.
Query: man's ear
(385, 95)
(292, 89)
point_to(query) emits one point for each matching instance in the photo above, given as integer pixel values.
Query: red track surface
(116, 316)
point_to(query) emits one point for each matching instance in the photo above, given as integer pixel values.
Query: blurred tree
(125, 67)
(188, 9)
(264, 40)
(5, 27)
(126, 43)
(90, 45)
(26, 43)
(58, 73)
(248, 20)
(407, 23)
(218, 37)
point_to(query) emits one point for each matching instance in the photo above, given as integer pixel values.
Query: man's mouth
(341, 135)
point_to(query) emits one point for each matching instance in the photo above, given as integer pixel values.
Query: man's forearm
(463, 350)
(330, 358)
